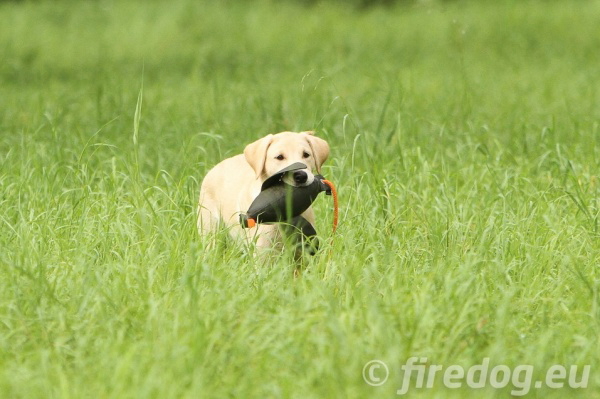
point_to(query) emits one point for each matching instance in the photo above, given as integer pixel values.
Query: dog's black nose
(300, 177)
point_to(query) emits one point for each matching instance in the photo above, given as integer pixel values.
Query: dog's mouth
(296, 174)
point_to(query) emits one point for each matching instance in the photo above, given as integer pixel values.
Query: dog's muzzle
(300, 177)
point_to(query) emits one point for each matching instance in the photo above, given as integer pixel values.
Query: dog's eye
(280, 157)
(305, 155)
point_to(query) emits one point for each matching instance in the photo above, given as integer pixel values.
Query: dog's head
(274, 152)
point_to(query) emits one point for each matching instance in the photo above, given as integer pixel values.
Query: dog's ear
(256, 153)
(319, 147)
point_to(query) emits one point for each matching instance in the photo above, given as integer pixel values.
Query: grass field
(465, 144)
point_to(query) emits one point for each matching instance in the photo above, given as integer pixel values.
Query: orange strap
(335, 203)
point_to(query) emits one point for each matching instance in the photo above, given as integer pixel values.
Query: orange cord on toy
(335, 203)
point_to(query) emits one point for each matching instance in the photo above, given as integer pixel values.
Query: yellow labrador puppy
(229, 188)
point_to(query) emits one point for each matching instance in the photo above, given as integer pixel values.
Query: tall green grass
(465, 147)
